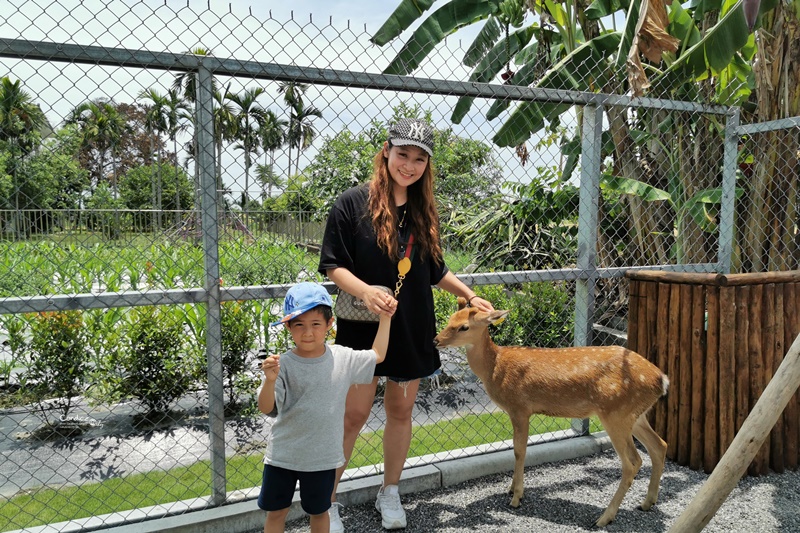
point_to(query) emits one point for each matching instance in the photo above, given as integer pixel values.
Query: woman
(369, 230)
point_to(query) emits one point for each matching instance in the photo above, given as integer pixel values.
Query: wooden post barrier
(755, 429)
(720, 339)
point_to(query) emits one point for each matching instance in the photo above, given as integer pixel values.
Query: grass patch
(49, 505)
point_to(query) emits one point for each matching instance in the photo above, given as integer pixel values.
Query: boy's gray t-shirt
(310, 396)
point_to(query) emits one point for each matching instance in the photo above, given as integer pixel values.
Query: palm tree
(225, 129)
(19, 116)
(302, 131)
(292, 96)
(20, 122)
(102, 127)
(268, 179)
(273, 136)
(156, 123)
(178, 119)
(249, 116)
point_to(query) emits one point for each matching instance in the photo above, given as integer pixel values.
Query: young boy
(309, 385)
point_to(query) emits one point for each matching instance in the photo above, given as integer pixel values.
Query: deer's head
(467, 326)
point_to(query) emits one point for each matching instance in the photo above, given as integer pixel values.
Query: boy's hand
(271, 366)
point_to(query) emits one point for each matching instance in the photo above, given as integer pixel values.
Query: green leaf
(400, 20)
(697, 206)
(484, 42)
(449, 18)
(628, 35)
(585, 69)
(713, 52)
(494, 62)
(603, 8)
(646, 192)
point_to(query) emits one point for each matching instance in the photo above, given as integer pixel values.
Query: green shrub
(157, 370)
(540, 314)
(57, 357)
(238, 338)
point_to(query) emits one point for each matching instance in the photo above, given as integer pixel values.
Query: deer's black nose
(436, 342)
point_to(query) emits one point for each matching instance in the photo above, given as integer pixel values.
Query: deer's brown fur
(613, 383)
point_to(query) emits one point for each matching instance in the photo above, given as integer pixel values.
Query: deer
(617, 385)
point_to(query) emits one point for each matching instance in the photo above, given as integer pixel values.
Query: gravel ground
(569, 496)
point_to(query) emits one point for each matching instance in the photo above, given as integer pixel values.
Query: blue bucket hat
(301, 298)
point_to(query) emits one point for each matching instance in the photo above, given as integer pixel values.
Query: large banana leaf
(585, 69)
(715, 51)
(696, 207)
(444, 21)
(497, 58)
(399, 21)
(483, 43)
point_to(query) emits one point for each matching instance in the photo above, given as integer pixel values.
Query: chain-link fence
(165, 174)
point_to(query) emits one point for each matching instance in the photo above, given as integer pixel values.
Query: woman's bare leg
(399, 403)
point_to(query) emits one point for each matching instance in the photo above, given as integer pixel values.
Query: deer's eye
(463, 328)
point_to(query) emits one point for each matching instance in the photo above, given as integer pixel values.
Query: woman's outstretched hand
(481, 305)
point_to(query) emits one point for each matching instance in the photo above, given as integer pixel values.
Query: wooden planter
(719, 338)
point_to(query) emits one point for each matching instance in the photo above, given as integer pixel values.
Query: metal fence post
(728, 200)
(208, 184)
(591, 144)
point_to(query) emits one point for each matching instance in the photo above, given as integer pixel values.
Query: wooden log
(673, 357)
(651, 301)
(666, 276)
(644, 320)
(718, 280)
(759, 278)
(710, 424)
(756, 360)
(685, 369)
(742, 354)
(744, 447)
(727, 370)
(698, 366)
(776, 435)
(662, 354)
(768, 355)
(791, 414)
(633, 315)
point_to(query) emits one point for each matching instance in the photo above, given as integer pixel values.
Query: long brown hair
(421, 207)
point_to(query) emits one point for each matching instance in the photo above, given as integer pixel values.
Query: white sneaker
(336, 521)
(388, 503)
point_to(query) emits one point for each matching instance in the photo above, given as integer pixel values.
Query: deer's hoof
(603, 521)
(515, 501)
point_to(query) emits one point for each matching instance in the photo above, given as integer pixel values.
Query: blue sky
(370, 12)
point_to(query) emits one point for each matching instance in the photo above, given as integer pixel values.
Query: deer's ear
(496, 317)
(493, 317)
(462, 302)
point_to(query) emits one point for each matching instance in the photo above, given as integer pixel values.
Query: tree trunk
(769, 241)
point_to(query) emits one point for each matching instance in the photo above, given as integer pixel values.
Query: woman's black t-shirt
(350, 242)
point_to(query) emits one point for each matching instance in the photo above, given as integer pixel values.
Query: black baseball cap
(412, 132)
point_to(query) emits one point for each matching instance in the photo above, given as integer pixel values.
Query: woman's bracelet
(469, 301)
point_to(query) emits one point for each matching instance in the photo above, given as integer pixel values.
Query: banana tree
(702, 53)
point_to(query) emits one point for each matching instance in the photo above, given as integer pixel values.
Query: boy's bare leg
(399, 404)
(276, 521)
(357, 411)
(320, 523)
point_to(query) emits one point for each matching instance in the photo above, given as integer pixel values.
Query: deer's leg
(520, 426)
(657, 450)
(620, 432)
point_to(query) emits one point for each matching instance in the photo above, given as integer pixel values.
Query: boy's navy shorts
(277, 489)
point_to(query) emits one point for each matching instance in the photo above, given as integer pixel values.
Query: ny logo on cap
(417, 131)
